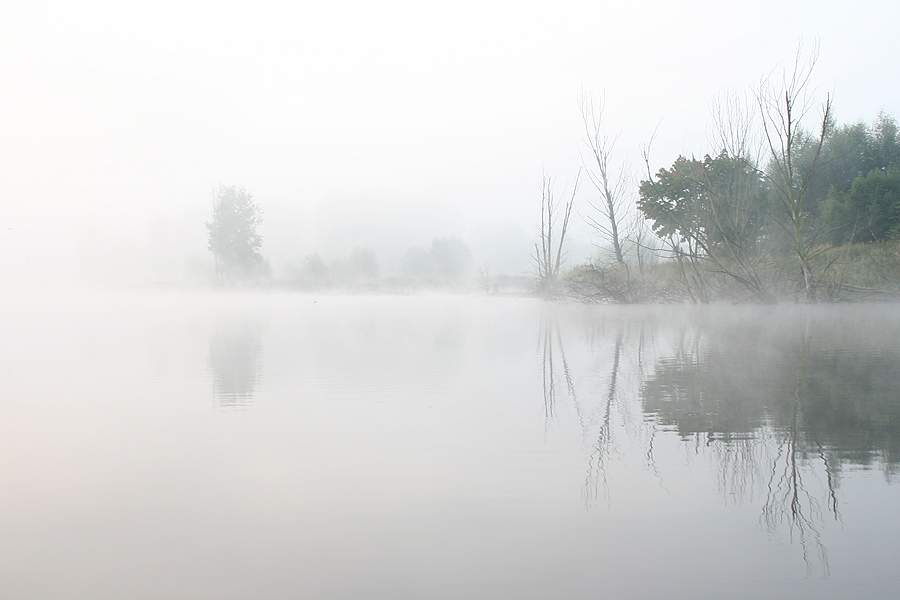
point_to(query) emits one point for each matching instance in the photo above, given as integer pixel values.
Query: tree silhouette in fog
(233, 238)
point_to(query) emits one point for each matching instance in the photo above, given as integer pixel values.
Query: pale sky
(419, 118)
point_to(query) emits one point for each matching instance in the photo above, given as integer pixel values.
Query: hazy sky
(117, 120)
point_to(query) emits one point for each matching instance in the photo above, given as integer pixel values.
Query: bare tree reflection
(788, 501)
(605, 444)
(548, 375)
(604, 413)
(776, 405)
(234, 356)
(740, 461)
(553, 355)
(649, 422)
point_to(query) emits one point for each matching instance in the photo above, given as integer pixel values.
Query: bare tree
(646, 243)
(733, 126)
(783, 107)
(737, 206)
(548, 250)
(598, 164)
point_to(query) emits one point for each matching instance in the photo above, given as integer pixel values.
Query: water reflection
(234, 356)
(553, 358)
(779, 405)
(832, 391)
(427, 454)
(604, 438)
(606, 416)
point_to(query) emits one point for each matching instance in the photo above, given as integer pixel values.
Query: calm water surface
(294, 446)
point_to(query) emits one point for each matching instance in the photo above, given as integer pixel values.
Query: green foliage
(846, 154)
(885, 141)
(233, 236)
(713, 213)
(712, 201)
(722, 216)
(850, 152)
(869, 212)
(673, 202)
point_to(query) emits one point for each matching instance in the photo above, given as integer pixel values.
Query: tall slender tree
(784, 106)
(233, 236)
(548, 250)
(608, 179)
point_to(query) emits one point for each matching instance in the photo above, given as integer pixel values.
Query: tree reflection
(605, 410)
(234, 355)
(784, 404)
(551, 345)
(789, 500)
(779, 404)
(605, 444)
(791, 504)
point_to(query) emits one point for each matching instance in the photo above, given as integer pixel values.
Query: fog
(265, 444)
(354, 124)
(250, 444)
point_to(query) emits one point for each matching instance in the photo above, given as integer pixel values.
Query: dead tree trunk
(548, 250)
(610, 186)
(783, 106)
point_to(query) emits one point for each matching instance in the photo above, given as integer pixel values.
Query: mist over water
(287, 445)
(238, 419)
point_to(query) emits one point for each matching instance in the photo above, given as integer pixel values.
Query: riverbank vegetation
(788, 205)
(785, 204)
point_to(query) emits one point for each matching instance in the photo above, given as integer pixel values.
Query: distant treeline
(235, 242)
(447, 261)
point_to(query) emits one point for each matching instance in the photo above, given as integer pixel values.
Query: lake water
(294, 446)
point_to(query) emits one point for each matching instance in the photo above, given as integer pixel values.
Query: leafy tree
(846, 154)
(855, 204)
(672, 201)
(849, 152)
(233, 238)
(711, 210)
(714, 200)
(870, 211)
(885, 141)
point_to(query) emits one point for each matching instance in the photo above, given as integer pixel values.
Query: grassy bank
(853, 272)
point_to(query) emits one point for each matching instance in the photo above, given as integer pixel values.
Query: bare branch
(610, 187)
